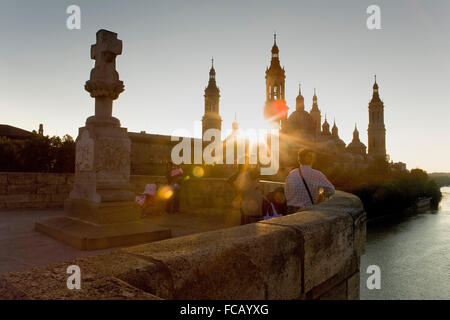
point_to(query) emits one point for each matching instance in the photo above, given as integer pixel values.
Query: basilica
(303, 127)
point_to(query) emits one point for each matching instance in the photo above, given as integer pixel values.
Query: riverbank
(421, 205)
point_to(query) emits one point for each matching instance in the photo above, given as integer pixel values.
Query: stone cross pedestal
(101, 211)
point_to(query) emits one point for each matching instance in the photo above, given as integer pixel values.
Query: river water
(413, 254)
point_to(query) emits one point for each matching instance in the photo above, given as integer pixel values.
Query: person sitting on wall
(147, 199)
(303, 184)
(274, 203)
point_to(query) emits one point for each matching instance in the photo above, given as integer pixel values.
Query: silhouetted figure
(174, 175)
(303, 184)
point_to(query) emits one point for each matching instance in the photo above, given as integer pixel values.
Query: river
(413, 254)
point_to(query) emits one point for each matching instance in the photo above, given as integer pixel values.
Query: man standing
(303, 184)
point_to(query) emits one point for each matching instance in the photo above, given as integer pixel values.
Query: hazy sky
(167, 46)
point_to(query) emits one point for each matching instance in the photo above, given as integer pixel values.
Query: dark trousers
(173, 204)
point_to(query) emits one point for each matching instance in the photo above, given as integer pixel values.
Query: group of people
(304, 187)
(168, 200)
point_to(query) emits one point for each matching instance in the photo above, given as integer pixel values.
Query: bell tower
(275, 108)
(376, 131)
(211, 119)
(315, 115)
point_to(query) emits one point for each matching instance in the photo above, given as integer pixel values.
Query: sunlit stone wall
(313, 254)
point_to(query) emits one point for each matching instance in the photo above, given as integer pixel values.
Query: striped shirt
(295, 191)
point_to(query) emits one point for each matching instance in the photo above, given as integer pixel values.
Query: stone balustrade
(50, 190)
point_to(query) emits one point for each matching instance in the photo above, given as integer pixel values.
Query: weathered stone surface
(97, 280)
(353, 287)
(350, 267)
(46, 189)
(89, 236)
(2, 189)
(338, 292)
(16, 198)
(327, 236)
(3, 179)
(50, 178)
(309, 255)
(63, 189)
(360, 234)
(21, 189)
(70, 179)
(254, 261)
(59, 197)
(21, 178)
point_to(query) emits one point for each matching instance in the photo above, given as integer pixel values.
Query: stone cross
(104, 84)
(106, 49)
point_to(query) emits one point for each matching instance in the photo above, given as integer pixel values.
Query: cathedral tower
(275, 107)
(300, 101)
(315, 114)
(211, 119)
(376, 131)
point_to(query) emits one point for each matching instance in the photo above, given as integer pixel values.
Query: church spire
(326, 127)
(315, 105)
(235, 124)
(300, 101)
(211, 118)
(356, 134)
(334, 130)
(275, 50)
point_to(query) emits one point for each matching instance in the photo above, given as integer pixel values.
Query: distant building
(14, 133)
(376, 131)
(398, 166)
(211, 118)
(301, 128)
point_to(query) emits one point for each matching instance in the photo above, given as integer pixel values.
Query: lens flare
(198, 172)
(165, 192)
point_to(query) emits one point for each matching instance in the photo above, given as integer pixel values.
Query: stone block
(101, 213)
(46, 188)
(40, 197)
(338, 292)
(353, 290)
(328, 242)
(360, 234)
(64, 188)
(13, 189)
(89, 236)
(3, 178)
(51, 178)
(21, 178)
(255, 261)
(3, 189)
(16, 198)
(59, 197)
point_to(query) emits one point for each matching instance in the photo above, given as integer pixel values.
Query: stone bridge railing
(313, 254)
(19, 190)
